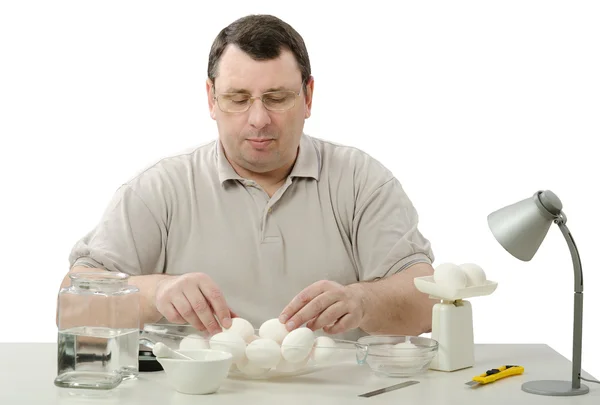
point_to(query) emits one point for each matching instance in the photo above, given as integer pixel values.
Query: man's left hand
(325, 304)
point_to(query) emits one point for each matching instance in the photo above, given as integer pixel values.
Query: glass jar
(98, 331)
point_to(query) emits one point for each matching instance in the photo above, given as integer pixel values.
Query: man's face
(259, 140)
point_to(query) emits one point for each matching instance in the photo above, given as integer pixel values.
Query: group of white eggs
(459, 276)
(273, 348)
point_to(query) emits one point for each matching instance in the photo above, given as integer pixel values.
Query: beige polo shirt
(341, 215)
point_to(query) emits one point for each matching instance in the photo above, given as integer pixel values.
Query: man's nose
(259, 116)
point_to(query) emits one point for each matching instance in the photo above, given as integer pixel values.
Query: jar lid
(106, 277)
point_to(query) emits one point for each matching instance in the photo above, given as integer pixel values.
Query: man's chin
(259, 167)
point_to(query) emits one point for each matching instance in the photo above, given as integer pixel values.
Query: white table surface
(28, 372)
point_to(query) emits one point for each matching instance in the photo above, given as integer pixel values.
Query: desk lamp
(520, 228)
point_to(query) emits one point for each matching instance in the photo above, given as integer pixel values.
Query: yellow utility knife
(495, 374)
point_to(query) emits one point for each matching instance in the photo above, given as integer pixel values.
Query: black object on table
(147, 361)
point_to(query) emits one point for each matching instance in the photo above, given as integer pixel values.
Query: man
(266, 222)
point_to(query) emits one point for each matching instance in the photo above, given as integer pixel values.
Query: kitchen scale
(452, 322)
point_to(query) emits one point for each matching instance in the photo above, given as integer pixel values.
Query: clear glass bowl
(394, 356)
(186, 337)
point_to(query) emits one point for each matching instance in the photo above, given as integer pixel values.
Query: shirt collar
(226, 171)
(308, 162)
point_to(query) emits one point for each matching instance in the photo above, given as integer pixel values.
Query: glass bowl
(185, 337)
(399, 356)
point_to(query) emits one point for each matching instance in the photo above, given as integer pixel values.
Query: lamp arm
(561, 222)
(577, 304)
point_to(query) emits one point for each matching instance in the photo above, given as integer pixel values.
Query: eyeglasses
(277, 101)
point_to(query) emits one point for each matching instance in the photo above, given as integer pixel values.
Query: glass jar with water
(98, 331)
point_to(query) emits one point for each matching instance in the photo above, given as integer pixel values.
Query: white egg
(285, 366)
(250, 369)
(323, 350)
(229, 342)
(407, 354)
(193, 342)
(241, 327)
(475, 274)
(264, 353)
(404, 349)
(296, 346)
(273, 329)
(450, 275)
(252, 339)
(241, 360)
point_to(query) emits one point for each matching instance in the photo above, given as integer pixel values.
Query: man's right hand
(193, 298)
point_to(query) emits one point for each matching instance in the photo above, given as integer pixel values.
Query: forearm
(394, 306)
(146, 284)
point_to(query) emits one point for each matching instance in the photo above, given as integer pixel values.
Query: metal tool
(388, 389)
(495, 374)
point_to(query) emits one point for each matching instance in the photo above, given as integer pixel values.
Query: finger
(185, 310)
(301, 300)
(201, 327)
(165, 306)
(171, 314)
(328, 317)
(216, 300)
(313, 309)
(201, 308)
(343, 324)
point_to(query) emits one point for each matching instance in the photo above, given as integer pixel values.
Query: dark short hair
(262, 37)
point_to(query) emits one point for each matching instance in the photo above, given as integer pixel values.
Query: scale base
(554, 388)
(452, 328)
(452, 322)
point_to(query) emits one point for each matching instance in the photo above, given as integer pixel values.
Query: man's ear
(310, 87)
(212, 103)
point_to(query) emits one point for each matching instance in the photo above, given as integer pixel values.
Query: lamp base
(555, 388)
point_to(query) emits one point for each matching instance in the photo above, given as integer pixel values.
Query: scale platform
(436, 291)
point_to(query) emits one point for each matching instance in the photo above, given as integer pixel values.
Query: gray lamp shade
(521, 227)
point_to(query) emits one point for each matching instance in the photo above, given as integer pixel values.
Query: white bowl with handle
(201, 375)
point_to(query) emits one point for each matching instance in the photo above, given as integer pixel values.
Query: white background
(473, 105)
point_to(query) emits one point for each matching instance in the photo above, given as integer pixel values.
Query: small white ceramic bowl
(203, 375)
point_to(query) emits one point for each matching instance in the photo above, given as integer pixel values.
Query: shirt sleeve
(128, 238)
(386, 235)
